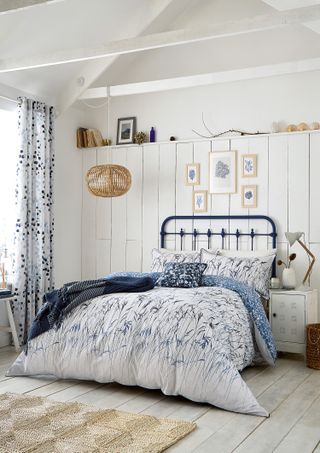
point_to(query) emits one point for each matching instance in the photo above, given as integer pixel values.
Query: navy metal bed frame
(223, 233)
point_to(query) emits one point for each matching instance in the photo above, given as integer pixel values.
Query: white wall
(250, 105)
(119, 233)
(68, 198)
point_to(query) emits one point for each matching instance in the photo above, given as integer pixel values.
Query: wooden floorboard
(289, 391)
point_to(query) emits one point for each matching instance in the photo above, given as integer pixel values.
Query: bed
(185, 341)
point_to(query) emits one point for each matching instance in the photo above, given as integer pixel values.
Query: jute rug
(34, 424)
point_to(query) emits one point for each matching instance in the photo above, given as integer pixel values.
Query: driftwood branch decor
(229, 131)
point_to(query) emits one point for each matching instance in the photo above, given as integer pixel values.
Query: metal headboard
(223, 233)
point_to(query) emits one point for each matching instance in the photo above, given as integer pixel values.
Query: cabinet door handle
(274, 315)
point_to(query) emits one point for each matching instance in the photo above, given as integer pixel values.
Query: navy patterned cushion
(182, 275)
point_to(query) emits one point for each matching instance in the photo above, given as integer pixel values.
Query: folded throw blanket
(59, 302)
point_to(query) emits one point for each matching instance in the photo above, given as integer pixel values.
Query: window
(8, 154)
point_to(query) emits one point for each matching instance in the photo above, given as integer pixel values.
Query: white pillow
(247, 253)
(254, 271)
(160, 257)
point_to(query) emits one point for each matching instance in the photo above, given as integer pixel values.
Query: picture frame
(126, 130)
(223, 172)
(200, 200)
(249, 197)
(249, 165)
(192, 174)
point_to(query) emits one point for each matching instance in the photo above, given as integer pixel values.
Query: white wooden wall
(118, 234)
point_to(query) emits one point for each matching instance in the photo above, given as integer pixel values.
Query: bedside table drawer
(288, 318)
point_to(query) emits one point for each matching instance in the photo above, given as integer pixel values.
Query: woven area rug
(34, 424)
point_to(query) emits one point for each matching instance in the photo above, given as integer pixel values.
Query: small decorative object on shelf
(229, 131)
(302, 127)
(314, 126)
(108, 180)
(140, 137)
(292, 128)
(288, 274)
(90, 138)
(275, 127)
(172, 138)
(126, 130)
(152, 135)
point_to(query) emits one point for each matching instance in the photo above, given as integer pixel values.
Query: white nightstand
(289, 313)
(12, 327)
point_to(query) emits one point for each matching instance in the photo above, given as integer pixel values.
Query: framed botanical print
(249, 196)
(192, 174)
(126, 130)
(200, 200)
(223, 172)
(249, 165)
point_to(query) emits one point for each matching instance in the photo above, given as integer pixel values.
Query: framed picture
(249, 196)
(223, 172)
(126, 130)
(192, 174)
(249, 166)
(200, 201)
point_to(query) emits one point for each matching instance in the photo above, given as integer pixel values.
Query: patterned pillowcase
(254, 271)
(160, 257)
(182, 275)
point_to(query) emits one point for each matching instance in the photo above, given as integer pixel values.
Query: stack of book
(89, 138)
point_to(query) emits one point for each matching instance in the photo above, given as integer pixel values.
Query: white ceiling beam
(153, 86)
(156, 15)
(11, 6)
(165, 39)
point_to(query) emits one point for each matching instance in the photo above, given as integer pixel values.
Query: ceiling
(58, 30)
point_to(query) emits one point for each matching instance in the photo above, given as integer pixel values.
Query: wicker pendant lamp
(108, 180)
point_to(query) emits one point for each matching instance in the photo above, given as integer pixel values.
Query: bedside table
(289, 313)
(12, 328)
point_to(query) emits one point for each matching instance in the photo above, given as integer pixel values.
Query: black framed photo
(126, 130)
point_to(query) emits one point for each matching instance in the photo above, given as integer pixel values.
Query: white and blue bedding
(185, 341)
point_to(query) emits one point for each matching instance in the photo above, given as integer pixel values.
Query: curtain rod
(8, 99)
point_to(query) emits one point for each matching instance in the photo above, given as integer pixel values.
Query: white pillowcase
(254, 271)
(247, 253)
(160, 257)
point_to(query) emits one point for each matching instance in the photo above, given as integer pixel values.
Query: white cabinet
(290, 312)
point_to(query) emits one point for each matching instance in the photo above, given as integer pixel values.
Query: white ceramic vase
(289, 280)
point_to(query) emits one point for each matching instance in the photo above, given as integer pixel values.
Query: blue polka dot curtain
(33, 254)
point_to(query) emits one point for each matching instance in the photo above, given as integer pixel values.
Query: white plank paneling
(150, 207)
(298, 183)
(118, 234)
(278, 183)
(201, 155)
(260, 147)
(119, 220)
(241, 147)
(184, 192)
(103, 258)
(167, 187)
(89, 201)
(220, 204)
(103, 205)
(314, 188)
(134, 210)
